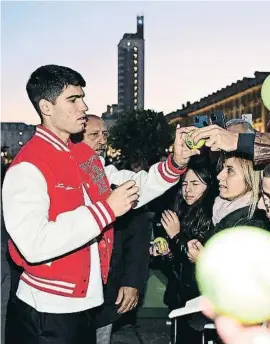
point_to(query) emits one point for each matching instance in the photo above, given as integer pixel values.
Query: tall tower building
(131, 70)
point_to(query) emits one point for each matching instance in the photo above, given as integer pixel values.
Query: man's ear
(45, 107)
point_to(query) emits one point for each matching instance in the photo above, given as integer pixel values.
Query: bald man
(96, 134)
(129, 262)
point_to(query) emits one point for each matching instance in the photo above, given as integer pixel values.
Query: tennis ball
(161, 244)
(265, 92)
(233, 272)
(190, 142)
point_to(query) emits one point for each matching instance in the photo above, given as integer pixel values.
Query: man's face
(67, 114)
(96, 134)
(264, 201)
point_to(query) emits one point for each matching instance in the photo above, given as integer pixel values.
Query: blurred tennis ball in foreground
(233, 272)
(190, 143)
(265, 92)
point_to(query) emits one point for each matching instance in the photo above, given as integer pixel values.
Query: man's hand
(170, 222)
(232, 332)
(122, 199)
(216, 138)
(127, 298)
(194, 249)
(182, 152)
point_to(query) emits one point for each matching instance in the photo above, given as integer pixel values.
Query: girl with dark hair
(191, 219)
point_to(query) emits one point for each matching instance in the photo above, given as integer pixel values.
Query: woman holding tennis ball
(190, 219)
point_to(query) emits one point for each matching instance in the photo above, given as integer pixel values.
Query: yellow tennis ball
(163, 244)
(190, 143)
(233, 272)
(265, 92)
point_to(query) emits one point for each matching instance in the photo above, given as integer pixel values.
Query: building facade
(237, 99)
(131, 70)
(13, 137)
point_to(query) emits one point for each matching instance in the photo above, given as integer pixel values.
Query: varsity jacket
(55, 210)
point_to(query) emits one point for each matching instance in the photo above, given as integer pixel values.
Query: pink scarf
(223, 207)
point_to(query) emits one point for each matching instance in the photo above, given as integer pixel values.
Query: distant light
(20, 133)
(2, 154)
(20, 143)
(128, 43)
(135, 48)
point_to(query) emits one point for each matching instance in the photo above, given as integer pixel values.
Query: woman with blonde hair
(239, 186)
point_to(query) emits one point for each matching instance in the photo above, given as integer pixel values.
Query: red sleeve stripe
(106, 211)
(102, 213)
(98, 216)
(171, 172)
(168, 177)
(172, 169)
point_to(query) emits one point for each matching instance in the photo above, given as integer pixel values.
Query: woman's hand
(170, 222)
(194, 249)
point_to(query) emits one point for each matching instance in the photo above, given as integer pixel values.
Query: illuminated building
(131, 70)
(241, 97)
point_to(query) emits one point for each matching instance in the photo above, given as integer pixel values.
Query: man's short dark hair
(266, 171)
(48, 82)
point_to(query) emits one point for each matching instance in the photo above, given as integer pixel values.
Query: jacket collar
(46, 135)
(232, 219)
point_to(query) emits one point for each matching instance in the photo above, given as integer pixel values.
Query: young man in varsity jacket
(59, 212)
(130, 255)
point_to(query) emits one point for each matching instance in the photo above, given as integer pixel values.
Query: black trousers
(25, 325)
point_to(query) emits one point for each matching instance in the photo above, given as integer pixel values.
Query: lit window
(135, 62)
(135, 48)
(135, 56)
(135, 94)
(135, 107)
(135, 75)
(135, 88)
(135, 81)
(135, 69)
(20, 133)
(2, 154)
(128, 43)
(20, 143)
(135, 101)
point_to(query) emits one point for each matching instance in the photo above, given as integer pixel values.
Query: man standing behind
(129, 262)
(56, 202)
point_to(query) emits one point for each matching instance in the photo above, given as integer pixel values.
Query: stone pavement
(147, 331)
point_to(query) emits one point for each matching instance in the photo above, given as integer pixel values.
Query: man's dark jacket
(129, 262)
